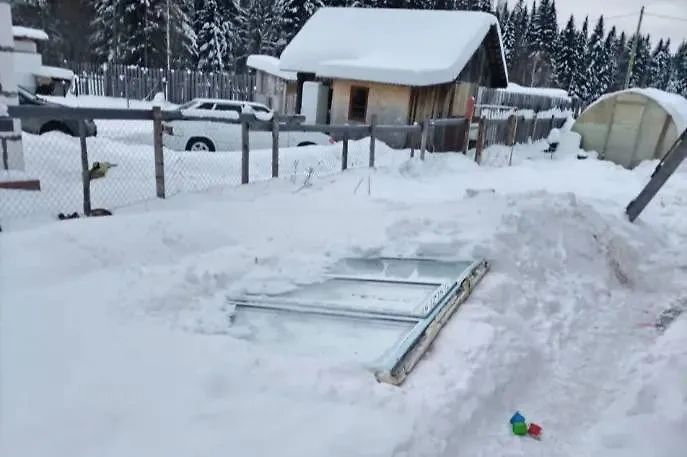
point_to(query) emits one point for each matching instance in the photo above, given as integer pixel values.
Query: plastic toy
(517, 417)
(520, 428)
(534, 431)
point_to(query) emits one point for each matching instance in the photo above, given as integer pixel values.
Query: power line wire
(662, 16)
(620, 16)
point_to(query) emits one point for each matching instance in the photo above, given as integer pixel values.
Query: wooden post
(533, 130)
(424, 138)
(85, 171)
(275, 147)
(413, 136)
(479, 147)
(344, 151)
(512, 129)
(245, 151)
(158, 152)
(373, 139)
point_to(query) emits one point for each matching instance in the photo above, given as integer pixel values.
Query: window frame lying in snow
(357, 110)
(420, 324)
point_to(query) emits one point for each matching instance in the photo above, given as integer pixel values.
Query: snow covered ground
(114, 340)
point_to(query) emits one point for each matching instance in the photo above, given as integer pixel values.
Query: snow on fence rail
(74, 171)
(140, 83)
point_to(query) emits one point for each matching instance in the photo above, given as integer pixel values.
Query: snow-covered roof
(270, 65)
(544, 91)
(674, 104)
(394, 46)
(54, 72)
(32, 34)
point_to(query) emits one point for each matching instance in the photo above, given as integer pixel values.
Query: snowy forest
(586, 57)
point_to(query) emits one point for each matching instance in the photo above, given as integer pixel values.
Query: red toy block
(534, 431)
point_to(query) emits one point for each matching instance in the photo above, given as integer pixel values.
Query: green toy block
(520, 428)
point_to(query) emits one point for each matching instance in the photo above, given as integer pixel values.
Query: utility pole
(633, 54)
(169, 53)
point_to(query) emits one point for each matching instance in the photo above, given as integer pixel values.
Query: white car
(206, 135)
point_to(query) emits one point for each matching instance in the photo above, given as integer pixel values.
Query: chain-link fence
(509, 127)
(84, 159)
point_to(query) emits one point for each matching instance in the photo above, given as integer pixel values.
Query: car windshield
(24, 92)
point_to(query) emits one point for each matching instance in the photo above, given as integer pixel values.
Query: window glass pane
(362, 311)
(222, 107)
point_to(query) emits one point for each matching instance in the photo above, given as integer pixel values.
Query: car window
(227, 107)
(187, 105)
(260, 109)
(206, 106)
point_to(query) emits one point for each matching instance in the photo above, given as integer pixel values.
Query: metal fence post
(245, 150)
(159, 153)
(85, 170)
(344, 151)
(5, 154)
(275, 147)
(424, 138)
(373, 139)
(512, 135)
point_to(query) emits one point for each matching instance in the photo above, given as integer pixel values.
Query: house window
(357, 105)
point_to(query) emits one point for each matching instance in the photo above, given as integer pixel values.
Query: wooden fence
(487, 97)
(139, 83)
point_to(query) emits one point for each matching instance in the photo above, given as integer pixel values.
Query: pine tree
(213, 48)
(579, 86)
(621, 55)
(296, 13)
(567, 61)
(611, 44)
(134, 31)
(108, 31)
(549, 29)
(183, 36)
(518, 68)
(660, 66)
(506, 22)
(484, 5)
(533, 30)
(640, 70)
(678, 80)
(598, 77)
(537, 22)
(261, 28)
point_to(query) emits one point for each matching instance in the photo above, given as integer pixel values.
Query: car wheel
(55, 126)
(306, 143)
(200, 144)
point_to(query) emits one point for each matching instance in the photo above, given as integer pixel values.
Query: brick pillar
(8, 88)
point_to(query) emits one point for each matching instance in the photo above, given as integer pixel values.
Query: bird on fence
(99, 169)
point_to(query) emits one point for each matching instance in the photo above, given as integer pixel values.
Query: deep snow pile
(123, 349)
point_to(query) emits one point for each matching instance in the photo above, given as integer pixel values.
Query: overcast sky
(658, 27)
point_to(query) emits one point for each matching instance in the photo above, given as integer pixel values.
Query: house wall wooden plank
(389, 102)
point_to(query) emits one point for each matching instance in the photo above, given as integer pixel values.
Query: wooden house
(273, 87)
(400, 65)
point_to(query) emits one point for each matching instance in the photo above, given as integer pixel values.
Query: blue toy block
(517, 417)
